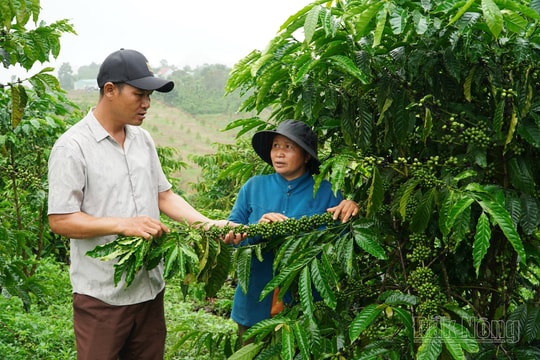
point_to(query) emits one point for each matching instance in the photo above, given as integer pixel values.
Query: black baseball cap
(295, 130)
(131, 67)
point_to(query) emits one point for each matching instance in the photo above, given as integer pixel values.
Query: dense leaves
(427, 114)
(32, 114)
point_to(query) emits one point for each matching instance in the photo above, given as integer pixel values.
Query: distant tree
(163, 63)
(212, 76)
(65, 76)
(202, 90)
(88, 71)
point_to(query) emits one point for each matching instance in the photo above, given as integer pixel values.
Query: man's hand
(144, 226)
(79, 225)
(230, 237)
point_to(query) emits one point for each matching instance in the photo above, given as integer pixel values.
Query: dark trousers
(107, 332)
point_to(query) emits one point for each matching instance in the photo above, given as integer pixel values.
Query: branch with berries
(194, 254)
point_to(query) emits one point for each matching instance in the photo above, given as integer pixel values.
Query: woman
(288, 193)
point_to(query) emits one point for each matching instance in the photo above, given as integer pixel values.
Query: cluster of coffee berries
(427, 178)
(428, 308)
(422, 248)
(423, 282)
(352, 291)
(475, 136)
(421, 276)
(467, 135)
(503, 262)
(516, 148)
(418, 238)
(289, 226)
(420, 253)
(410, 208)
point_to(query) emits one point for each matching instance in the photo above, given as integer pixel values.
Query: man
(105, 179)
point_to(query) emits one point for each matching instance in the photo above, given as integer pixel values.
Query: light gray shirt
(90, 172)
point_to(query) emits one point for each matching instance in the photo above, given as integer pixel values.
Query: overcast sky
(181, 32)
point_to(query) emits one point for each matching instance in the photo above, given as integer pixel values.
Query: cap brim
(262, 144)
(152, 83)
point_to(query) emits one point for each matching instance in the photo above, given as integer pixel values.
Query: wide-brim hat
(294, 130)
(131, 67)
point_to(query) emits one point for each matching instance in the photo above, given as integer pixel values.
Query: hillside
(175, 128)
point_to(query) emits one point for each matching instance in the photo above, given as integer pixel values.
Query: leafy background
(427, 112)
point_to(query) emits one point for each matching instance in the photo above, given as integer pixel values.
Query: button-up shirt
(91, 172)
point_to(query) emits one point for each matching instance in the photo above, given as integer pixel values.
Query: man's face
(131, 104)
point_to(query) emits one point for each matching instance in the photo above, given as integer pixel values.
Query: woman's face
(288, 159)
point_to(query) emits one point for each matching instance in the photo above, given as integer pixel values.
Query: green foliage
(176, 249)
(427, 115)
(45, 332)
(196, 256)
(30, 121)
(170, 164)
(196, 327)
(219, 188)
(24, 46)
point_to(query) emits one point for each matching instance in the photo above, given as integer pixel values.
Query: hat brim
(152, 83)
(262, 144)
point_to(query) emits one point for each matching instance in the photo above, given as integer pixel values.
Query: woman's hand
(344, 210)
(272, 217)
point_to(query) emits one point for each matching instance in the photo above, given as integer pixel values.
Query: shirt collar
(99, 131)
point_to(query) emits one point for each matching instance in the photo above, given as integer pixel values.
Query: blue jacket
(272, 193)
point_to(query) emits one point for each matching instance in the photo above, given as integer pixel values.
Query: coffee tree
(428, 116)
(30, 121)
